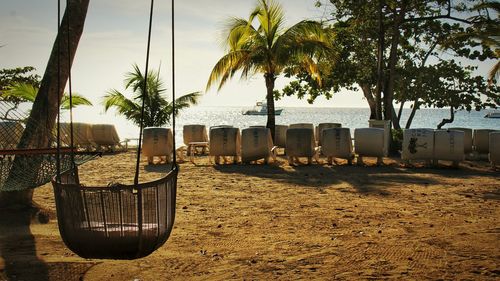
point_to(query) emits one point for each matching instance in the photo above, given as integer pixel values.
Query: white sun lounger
(449, 146)
(106, 138)
(224, 141)
(336, 143)
(257, 143)
(322, 126)
(369, 142)
(494, 155)
(418, 144)
(196, 140)
(157, 142)
(300, 142)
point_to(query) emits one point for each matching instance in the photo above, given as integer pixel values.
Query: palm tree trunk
(43, 114)
(271, 116)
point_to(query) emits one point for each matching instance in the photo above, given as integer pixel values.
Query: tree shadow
(366, 179)
(18, 247)
(159, 168)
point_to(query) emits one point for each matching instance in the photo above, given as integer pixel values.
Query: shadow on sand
(370, 180)
(18, 248)
(19, 253)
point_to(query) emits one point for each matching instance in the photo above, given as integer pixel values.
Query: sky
(115, 37)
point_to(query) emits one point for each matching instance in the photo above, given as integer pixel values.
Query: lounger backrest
(280, 135)
(194, 133)
(105, 134)
(494, 141)
(302, 125)
(322, 126)
(300, 142)
(82, 134)
(10, 134)
(369, 142)
(157, 141)
(336, 142)
(481, 140)
(225, 141)
(256, 143)
(449, 145)
(418, 144)
(467, 138)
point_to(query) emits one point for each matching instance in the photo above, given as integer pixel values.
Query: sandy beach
(276, 222)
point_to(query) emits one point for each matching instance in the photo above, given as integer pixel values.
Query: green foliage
(25, 92)
(157, 110)
(485, 30)
(448, 84)
(11, 76)
(424, 27)
(397, 141)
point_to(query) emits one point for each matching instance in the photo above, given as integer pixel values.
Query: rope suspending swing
(118, 221)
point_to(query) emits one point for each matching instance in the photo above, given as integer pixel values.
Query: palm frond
(494, 73)
(190, 99)
(226, 67)
(271, 20)
(23, 91)
(76, 100)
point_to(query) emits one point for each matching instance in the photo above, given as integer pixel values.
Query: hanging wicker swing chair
(118, 221)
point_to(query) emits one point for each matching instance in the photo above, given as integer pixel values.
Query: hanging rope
(144, 94)
(69, 85)
(58, 160)
(173, 83)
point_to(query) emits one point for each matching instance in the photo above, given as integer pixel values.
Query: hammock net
(30, 167)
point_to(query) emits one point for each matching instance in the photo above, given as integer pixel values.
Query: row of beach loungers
(88, 137)
(301, 140)
(331, 140)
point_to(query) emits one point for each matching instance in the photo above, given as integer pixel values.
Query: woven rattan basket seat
(115, 222)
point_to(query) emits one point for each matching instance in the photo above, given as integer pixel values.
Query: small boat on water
(492, 115)
(260, 108)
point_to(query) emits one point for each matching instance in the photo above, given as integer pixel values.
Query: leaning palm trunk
(43, 114)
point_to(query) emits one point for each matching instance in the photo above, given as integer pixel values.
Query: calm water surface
(348, 117)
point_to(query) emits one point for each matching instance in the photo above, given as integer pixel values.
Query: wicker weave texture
(115, 222)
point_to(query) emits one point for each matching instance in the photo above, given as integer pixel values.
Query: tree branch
(447, 16)
(446, 121)
(438, 17)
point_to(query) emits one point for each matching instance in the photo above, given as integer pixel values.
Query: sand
(263, 222)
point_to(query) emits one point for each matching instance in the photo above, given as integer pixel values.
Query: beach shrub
(396, 142)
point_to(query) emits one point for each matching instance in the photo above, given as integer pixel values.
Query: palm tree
(157, 110)
(268, 49)
(27, 93)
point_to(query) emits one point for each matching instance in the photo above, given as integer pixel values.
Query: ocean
(348, 117)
